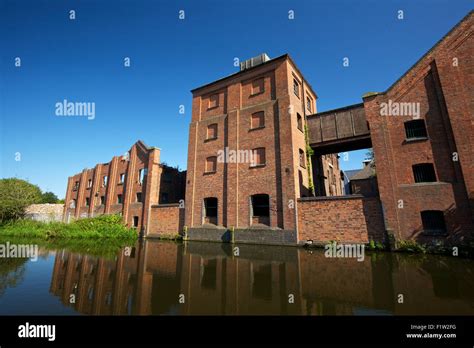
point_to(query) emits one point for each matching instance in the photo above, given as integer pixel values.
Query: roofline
(465, 18)
(273, 60)
(349, 107)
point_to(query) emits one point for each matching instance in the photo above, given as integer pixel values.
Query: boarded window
(258, 86)
(296, 88)
(424, 172)
(433, 221)
(214, 101)
(212, 131)
(211, 164)
(309, 104)
(257, 120)
(258, 157)
(415, 129)
(299, 121)
(302, 158)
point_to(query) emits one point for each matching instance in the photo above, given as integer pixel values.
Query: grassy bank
(105, 227)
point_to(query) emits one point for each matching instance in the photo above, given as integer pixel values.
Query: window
(433, 221)
(141, 175)
(213, 101)
(76, 186)
(296, 88)
(210, 210)
(104, 181)
(135, 221)
(415, 129)
(72, 204)
(299, 121)
(260, 209)
(164, 198)
(211, 164)
(102, 200)
(139, 197)
(211, 131)
(257, 120)
(302, 159)
(258, 157)
(122, 178)
(88, 201)
(309, 104)
(89, 183)
(119, 199)
(258, 86)
(424, 172)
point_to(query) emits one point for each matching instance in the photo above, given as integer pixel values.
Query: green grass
(104, 227)
(104, 235)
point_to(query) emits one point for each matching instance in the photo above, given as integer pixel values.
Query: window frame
(414, 138)
(211, 96)
(258, 165)
(423, 166)
(206, 169)
(253, 92)
(296, 87)
(261, 124)
(216, 133)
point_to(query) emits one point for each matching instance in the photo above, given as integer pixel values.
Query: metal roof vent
(254, 61)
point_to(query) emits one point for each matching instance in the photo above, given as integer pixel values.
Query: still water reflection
(153, 276)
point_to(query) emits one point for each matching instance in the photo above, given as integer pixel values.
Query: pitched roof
(365, 173)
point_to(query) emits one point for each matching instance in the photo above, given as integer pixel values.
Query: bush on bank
(101, 227)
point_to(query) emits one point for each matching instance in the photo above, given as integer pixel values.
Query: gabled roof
(367, 172)
(350, 173)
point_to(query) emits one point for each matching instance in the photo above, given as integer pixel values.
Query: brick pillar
(152, 188)
(111, 183)
(131, 177)
(232, 195)
(80, 195)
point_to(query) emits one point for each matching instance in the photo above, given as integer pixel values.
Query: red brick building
(425, 164)
(134, 185)
(259, 110)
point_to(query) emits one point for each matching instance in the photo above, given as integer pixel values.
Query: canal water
(196, 278)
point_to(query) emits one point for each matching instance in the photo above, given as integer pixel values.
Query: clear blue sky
(82, 60)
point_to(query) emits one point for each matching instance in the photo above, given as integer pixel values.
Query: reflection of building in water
(261, 280)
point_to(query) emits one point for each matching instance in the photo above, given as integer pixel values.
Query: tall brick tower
(259, 110)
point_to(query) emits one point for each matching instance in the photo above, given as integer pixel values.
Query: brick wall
(166, 220)
(281, 178)
(353, 219)
(441, 83)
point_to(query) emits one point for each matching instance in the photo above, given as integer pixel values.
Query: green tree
(49, 197)
(15, 196)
